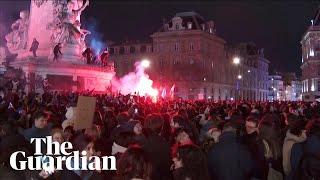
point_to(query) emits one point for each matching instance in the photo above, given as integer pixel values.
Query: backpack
(309, 167)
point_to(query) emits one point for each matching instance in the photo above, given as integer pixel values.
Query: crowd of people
(168, 139)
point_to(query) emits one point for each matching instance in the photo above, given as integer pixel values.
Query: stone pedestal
(73, 76)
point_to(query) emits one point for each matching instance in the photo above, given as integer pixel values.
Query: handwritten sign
(84, 112)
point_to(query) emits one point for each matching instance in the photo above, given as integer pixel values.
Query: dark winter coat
(229, 160)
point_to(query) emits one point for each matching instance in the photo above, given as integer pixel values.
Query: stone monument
(53, 22)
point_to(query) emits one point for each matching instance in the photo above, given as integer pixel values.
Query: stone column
(41, 15)
(75, 79)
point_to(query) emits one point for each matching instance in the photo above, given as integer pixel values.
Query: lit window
(191, 47)
(312, 84)
(311, 53)
(176, 47)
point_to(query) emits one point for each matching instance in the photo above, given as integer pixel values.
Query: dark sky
(275, 26)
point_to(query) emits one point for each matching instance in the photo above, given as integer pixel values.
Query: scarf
(117, 149)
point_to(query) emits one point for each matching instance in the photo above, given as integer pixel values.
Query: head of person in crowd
(182, 136)
(214, 131)
(82, 142)
(93, 132)
(229, 127)
(252, 124)
(57, 135)
(68, 133)
(291, 118)
(122, 142)
(122, 118)
(189, 162)
(7, 129)
(154, 123)
(133, 126)
(134, 164)
(40, 120)
(313, 126)
(298, 128)
(270, 134)
(166, 129)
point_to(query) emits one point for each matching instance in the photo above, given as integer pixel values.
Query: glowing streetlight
(236, 60)
(249, 71)
(145, 63)
(239, 76)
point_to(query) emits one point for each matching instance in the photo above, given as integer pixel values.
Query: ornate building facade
(310, 45)
(187, 52)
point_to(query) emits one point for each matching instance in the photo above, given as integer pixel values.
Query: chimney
(203, 27)
(189, 24)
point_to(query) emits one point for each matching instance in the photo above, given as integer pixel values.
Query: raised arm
(83, 7)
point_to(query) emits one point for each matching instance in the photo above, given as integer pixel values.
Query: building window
(191, 47)
(132, 49)
(143, 48)
(121, 50)
(191, 61)
(189, 25)
(311, 52)
(111, 51)
(176, 46)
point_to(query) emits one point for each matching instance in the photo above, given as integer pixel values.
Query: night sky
(275, 26)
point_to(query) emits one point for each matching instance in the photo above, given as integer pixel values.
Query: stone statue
(2, 55)
(70, 28)
(17, 39)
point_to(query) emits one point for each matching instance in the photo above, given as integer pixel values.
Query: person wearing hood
(296, 134)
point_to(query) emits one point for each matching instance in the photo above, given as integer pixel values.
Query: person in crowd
(80, 143)
(57, 52)
(256, 147)
(308, 153)
(229, 159)
(134, 164)
(34, 47)
(295, 134)
(269, 133)
(40, 128)
(189, 162)
(104, 57)
(122, 142)
(211, 136)
(121, 119)
(88, 55)
(156, 147)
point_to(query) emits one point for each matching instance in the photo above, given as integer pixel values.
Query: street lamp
(236, 60)
(145, 63)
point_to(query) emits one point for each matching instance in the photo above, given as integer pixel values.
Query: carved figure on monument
(71, 33)
(2, 55)
(39, 2)
(17, 39)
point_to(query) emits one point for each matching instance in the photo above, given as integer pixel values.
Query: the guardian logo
(62, 155)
